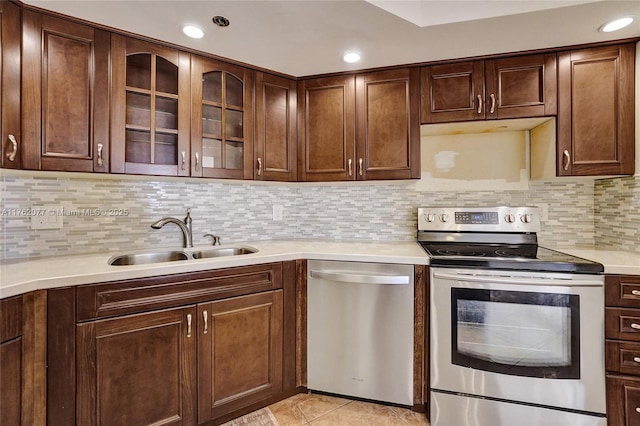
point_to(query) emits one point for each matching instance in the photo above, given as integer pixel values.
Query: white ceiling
(307, 37)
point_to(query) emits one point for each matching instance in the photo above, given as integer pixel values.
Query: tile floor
(318, 410)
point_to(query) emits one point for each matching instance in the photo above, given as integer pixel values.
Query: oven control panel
(483, 219)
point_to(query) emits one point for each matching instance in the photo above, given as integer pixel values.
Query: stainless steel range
(517, 330)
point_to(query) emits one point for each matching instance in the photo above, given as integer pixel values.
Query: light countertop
(17, 277)
(23, 276)
(614, 261)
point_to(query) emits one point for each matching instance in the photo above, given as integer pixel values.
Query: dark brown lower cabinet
(138, 369)
(239, 353)
(623, 401)
(11, 361)
(10, 383)
(184, 349)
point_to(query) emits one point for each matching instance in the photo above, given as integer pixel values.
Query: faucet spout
(185, 226)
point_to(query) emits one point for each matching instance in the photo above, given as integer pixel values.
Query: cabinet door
(10, 361)
(65, 95)
(596, 111)
(150, 108)
(388, 125)
(221, 125)
(326, 129)
(452, 92)
(520, 87)
(239, 353)
(10, 57)
(275, 148)
(623, 401)
(137, 370)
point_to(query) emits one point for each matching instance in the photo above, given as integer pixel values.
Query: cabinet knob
(14, 148)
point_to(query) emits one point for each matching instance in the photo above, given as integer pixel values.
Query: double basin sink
(175, 255)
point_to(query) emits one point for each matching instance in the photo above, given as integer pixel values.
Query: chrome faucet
(185, 226)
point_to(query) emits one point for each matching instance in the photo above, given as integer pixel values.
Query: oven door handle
(517, 280)
(359, 278)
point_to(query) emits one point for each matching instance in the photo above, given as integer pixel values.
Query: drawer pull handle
(635, 326)
(637, 409)
(206, 326)
(493, 104)
(635, 292)
(350, 167)
(636, 359)
(100, 161)
(567, 159)
(259, 166)
(183, 165)
(360, 166)
(479, 104)
(14, 148)
(188, 325)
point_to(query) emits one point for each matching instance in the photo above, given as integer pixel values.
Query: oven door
(533, 338)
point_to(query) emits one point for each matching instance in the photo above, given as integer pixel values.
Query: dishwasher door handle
(346, 277)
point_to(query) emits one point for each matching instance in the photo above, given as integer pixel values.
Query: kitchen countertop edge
(20, 277)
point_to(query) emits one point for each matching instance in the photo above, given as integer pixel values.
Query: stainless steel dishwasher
(360, 330)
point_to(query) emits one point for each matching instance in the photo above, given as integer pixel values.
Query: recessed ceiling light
(616, 24)
(192, 31)
(351, 57)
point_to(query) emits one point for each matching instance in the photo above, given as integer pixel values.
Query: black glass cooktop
(525, 257)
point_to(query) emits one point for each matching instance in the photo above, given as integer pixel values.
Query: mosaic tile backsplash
(617, 213)
(114, 214)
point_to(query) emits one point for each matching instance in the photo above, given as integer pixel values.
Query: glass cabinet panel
(222, 103)
(152, 110)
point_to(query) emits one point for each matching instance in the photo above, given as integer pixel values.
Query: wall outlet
(278, 212)
(46, 217)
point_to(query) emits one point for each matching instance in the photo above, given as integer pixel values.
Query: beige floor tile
(411, 418)
(359, 414)
(313, 406)
(287, 412)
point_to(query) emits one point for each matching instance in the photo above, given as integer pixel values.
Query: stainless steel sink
(224, 251)
(144, 258)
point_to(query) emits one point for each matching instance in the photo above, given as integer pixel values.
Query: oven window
(516, 333)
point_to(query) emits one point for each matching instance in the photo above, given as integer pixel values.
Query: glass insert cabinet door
(152, 83)
(221, 113)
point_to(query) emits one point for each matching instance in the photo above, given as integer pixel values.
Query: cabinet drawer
(142, 295)
(622, 357)
(622, 324)
(622, 290)
(623, 401)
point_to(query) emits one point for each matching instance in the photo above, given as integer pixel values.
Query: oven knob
(444, 217)
(430, 217)
(510, 218)
(525, 218)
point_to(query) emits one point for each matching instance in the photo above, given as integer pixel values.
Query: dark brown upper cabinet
(65, 95)
(221, 119)
(150, 108)
(10, 60)
(326, 128)
(596, 111)
(516, 87)
(388, 125)
(275, 135)
(359, 127)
